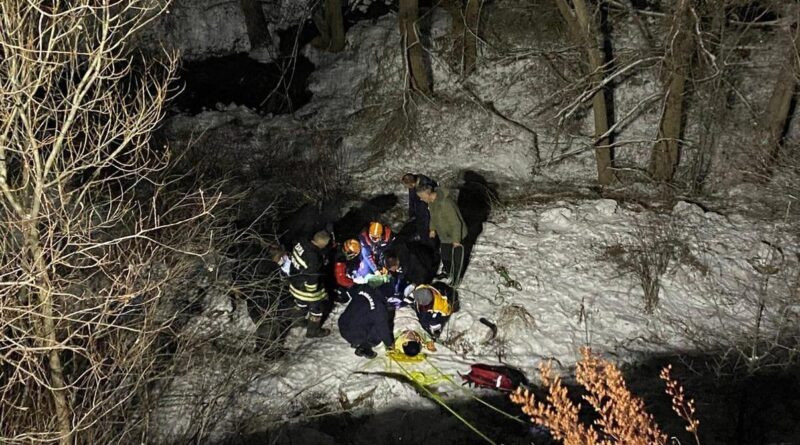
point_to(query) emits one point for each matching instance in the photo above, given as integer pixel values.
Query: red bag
(501, 378)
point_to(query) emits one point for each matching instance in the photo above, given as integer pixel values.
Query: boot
(366, 352)
(314, 328)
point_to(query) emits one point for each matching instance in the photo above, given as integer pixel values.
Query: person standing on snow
(375, 241)
(448, 224)
(418, 210)
(365, 321)
(306, 283)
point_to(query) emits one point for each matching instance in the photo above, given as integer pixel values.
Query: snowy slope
(571, 296)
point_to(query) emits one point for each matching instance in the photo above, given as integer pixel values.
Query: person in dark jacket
(418, 210)
(306, 281)
(417, 261)
(434, 305)
(448, 224)
(365, 321)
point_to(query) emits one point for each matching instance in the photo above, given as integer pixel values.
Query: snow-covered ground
(571, 295)
(723, 271)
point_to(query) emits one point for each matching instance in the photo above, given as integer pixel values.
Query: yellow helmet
(375, 230)
(351, 248)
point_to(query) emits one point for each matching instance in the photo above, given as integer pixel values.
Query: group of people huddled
(391, 290)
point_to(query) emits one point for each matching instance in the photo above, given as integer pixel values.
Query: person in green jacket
(448, 224)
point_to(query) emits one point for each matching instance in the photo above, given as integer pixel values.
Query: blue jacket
(373, 253)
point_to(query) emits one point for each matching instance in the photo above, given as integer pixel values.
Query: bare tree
(330, 24)
(583, 29)
(472, 18)
(464, 31)
(84, 259)
(417, 77)
(256, 22)
(680, 46)
(773, 120)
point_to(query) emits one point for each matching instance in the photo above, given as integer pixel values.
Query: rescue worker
(365, 321)
(347, 264)
(375, 241)
(434, 305)
(347, 268)
(306, 281)
(417, 261)
(418, 210)
(448, 224)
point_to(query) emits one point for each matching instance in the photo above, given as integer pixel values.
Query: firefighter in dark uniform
(365, 322)
(306, 281)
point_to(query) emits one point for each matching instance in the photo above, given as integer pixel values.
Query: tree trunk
(333, 15)
(48, 338)
(456, 30)
(472, 17)
(584, 30)
(418, 78)
(664, 157)
(330, 24)
(776, 114)
(257, 30)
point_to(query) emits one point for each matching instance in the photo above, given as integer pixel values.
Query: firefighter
(365, 321)
(306, 283)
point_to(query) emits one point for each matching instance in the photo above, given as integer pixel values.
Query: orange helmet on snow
(375, 230)
(351, 248)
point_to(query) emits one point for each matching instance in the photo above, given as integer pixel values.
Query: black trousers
(313, 308)
(453, 262)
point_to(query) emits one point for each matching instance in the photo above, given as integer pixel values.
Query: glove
(378, 280)
(394, 301)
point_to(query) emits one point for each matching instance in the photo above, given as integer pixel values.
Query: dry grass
(621, 416)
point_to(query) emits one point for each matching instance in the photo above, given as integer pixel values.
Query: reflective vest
(441, 304)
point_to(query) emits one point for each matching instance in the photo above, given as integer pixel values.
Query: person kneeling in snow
(434, 305)
(375, 241)
(365, 321)
(348, 268)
